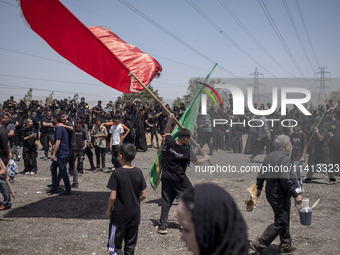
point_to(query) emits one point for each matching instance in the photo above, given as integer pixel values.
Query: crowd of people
(72, 130)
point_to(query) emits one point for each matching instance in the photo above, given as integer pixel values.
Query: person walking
(279, 189)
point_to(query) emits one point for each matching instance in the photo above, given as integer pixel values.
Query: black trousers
(100, 154)
(259, 145)
(47, 139)
(116, 237)
(170, 191)
(115, 156)
(205, 138)
(280, 227)
(30, 161)
(89, 154)
(317, 162)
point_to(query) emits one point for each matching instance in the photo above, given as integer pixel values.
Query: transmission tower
(256, 92)
(322, 79)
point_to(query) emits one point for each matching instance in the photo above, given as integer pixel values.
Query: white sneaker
(32, 173)
(27, 173)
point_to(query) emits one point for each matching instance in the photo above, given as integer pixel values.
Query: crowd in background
(141, 118)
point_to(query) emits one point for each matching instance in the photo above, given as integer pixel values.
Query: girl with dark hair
(212, 223)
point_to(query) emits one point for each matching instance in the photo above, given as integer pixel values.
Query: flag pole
(10, 187)
(168, 112)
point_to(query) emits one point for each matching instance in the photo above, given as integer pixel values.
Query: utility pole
(322, 79)
(256, 93)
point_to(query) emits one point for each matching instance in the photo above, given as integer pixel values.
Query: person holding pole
(175, 159)
(5, 155)
(319, 156)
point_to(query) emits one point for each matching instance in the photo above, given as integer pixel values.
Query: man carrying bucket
(279, 188)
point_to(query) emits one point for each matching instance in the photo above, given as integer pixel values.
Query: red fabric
(95, 50)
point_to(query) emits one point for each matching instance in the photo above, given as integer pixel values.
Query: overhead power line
(224, 34)
(9, 4)
(304, 25)
(252, 37)
(131, 7)
(35, 56)
(297, 33)
(279, 35)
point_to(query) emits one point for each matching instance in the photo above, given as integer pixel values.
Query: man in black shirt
(176, 156)
(319, 155)
(47, 132)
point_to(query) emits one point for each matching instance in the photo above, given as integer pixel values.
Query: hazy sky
(236, 34)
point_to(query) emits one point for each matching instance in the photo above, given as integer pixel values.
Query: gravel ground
(39, 223)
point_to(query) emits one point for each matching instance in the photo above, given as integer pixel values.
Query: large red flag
(95, 50)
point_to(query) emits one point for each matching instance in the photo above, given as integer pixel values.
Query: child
(116, 139)
(99, 133)
(128, 189)
(29, 150)
(81, 143)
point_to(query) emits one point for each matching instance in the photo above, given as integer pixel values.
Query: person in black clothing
(29, 151)
(204, 131)
(176, 156)
(79, 152)
(152, 122)
(128, 189)
(319, 155)
(205, 229)
(97, 110)
(279, 189)
(299, 149)
(140, 140)
(5, 155)
(47, 132)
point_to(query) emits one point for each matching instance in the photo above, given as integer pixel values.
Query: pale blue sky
(22, 52)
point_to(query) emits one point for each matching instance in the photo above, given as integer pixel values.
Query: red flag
(95, 50)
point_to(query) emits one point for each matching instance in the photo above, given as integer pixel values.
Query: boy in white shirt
(116, 139)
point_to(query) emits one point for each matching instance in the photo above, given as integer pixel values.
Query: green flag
(188, 120)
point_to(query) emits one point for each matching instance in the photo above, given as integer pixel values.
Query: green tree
(28, 96)
(144, 96)
(335, 96)
(49, 99)
(176, 102)
(76, 98)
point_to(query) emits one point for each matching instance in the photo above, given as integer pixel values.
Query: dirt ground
(39, 223)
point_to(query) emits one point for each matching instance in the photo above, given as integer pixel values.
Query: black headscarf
(219, 225)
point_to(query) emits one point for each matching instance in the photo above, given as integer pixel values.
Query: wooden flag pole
(168, 112)
(10, 187)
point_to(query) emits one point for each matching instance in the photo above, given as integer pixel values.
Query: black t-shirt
(321, 146)
(80, 137)
(175, 159)
(128, 182)
(299, 140)
(47, 130)
(71, 136)
(29, 144)
(4, 145)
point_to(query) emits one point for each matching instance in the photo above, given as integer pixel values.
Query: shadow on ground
(80, 205)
